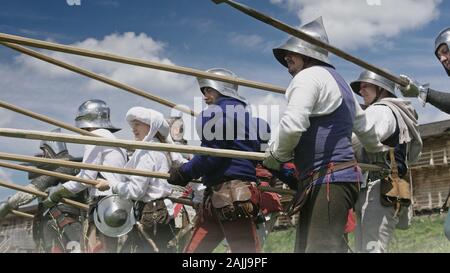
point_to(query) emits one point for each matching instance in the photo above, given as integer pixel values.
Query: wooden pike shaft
(77, 165)
(137, 62)
(66, 177)
(306, 37)
(42, 194)
(49, 173)
(100, 78)
(69, 164)
(22, 214)
(44, 118)
(28, 134)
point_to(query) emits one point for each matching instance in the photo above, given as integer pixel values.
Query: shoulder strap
(394, 167)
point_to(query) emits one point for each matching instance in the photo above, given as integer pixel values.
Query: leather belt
(330, 169)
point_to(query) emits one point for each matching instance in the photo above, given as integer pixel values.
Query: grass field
(425, 235)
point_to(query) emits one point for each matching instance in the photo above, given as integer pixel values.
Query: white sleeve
(113, 157)
(92, 155)
(135, 187)
(366, 131)
(302, 96)
(383, 119)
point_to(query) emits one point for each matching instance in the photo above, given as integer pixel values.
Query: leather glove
(5, 209)
(414, 89)
(177, 177)
(288, 175)
(55, 195)
(271, 162)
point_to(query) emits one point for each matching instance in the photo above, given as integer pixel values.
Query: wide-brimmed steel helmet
(375, 79)
(94, 114)
(224, 88)
(315, 29)
(53, 147)
(443, 38)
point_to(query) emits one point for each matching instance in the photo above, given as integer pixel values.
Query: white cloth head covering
(157, 124)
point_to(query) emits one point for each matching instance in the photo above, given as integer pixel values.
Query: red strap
(351, 222)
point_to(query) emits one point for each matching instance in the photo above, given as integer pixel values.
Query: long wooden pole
(49, 173)
(100, 78)
(66, 177)
(77, 165)
(22, 214)
(28, 134)
(69, 164)
(306, 37)
(137, 62)
(132, 145)
(43, 118)
(42, 194)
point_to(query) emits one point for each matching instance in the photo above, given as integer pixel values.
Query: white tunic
(99, 155)
(144, 188)
(314, 92)
(147, 189)
(383, 119)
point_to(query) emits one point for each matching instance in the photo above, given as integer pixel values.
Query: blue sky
(397, 35)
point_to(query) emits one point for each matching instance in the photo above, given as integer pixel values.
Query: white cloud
(57, 93)
(127, 44)
(52, 91)
(353, 24)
